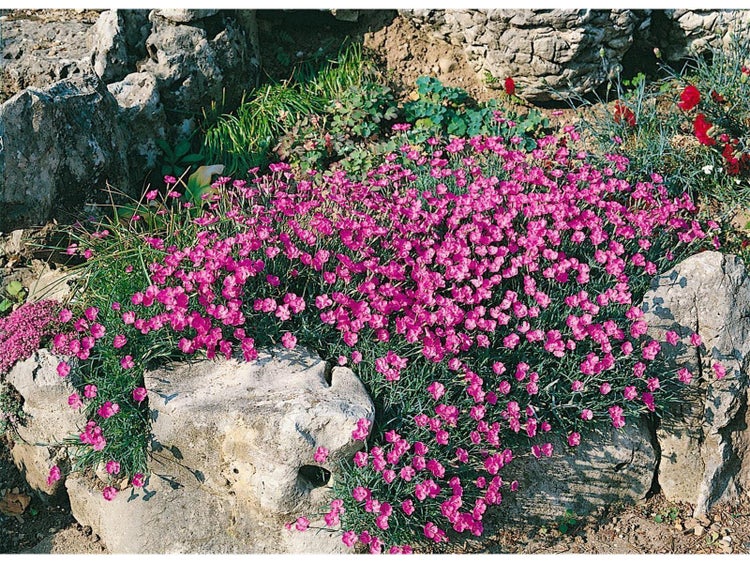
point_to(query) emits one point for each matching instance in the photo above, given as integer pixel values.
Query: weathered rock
(615, 465)
(36, 55)
(680, 33)
(117, 42)
(703, 436)
(142, 115)
(60, 146)
(185, 16)
(194, 63)
(232, 460)
(551, 54)
(49, 419)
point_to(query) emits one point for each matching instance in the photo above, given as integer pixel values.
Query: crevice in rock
(312, 477)
(652, 423)
(328, 373)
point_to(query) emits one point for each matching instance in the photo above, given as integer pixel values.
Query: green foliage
(568, 522)
(13, 294)
(178, 159)
(669, 515)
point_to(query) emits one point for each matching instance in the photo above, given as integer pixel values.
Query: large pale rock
(551, 54)
(703, 436)
(232, 458)
(49, 419)
(616, 465)
(60, 146)
(185, 16)
(117, 41)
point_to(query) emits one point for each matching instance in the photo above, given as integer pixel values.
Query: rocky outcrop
(60, 146)
(48, 419)
(703, 436)
(607, 467)
(551, 54)
(680, 33)
(162, 67)
(232, 453)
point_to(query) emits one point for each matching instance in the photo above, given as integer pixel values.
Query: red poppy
(689, 98)
(510, 86)
(700, 128)
(624, 113)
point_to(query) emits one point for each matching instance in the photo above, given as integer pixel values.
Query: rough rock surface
(232, 458)
(551, 54)
(193, 63)
(616, 465)
(704, 437)
(117, 42)
(36, 55)
(49, 418)
(60, 146)
(142, 115)
(680, 33)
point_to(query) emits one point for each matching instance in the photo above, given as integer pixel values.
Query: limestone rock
(680, 33)
(117, 42)
(49, 418)
(614, 465)
(232, 458)
(194, 63)
(551, 54)
(142, 113)
(36, 55)
(704, 438)
(185, 16)
(60, 146)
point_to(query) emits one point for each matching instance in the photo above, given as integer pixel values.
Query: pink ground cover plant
(486, 295)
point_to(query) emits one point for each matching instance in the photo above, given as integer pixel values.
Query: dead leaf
(14, 504)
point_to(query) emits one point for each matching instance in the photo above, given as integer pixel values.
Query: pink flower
(91, 313)
(127, 362)
(75, 401)
(362, 430)
(289, 340)
(65, 316)
(97, 330)
(574, 439)
(112, 467)
(151, 195)
(587, 414)
(90, 391)
(436, 389)
(54, 475)
(349, 538)
(302, 524)
(139, 394)
(672, 337)
(684, 375)
(109, 493)
(576, 385)
(321, 454)
(63, 369)
(108, 409)
(605, 388)
(719, 370)
(119, 341)
(137, 480)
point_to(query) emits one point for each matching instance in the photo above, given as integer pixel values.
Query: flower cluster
(724, 133)
(487, 296)
(23, 331)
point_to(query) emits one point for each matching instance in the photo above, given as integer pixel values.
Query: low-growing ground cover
(481, 277)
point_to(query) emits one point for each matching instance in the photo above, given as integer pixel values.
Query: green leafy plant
(668, 515)
(177, 159)
(13, 294)
(568, 522)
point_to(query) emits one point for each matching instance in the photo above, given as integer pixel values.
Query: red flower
(624, 113)
(701, 127)
(716, 97)
(689, 98)
(732, 162)
(510, 86)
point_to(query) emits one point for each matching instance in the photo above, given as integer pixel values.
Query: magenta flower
(321, 454)
(696, 340)
(63, 369)
(289, 340)
(302, 524)
(119, 341)
(74, 401)
(109, 493)
(112, 467)
(137, 480)
(108, 409)
(574, 439)
(127, 362)
(139, 394)
(719, 370)
(90, 391)
(54, 475)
